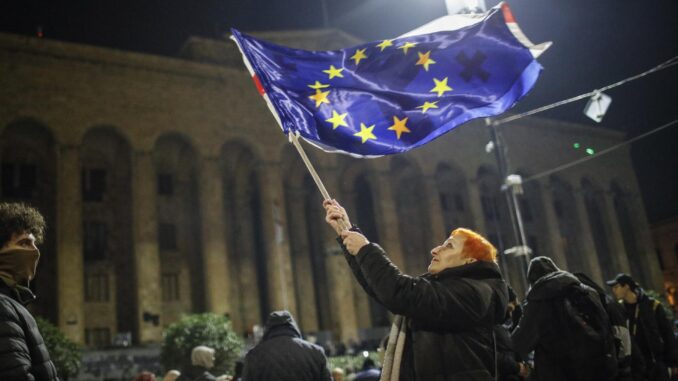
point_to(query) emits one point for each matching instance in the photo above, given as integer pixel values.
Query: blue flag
(390, 96)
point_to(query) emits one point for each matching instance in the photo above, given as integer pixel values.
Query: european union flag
(393, 95)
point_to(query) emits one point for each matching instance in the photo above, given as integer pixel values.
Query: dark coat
(283, 355)
(620, 326)
(539, 327)
(450, 315)
(508, 362)
(196, 373)
(23, 354)
(651, 331)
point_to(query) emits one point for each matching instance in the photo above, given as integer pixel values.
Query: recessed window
(489, 208)
(167, 236)
(18, 180)
(170, 287)
(96, 288)
(95, 241)
(525, 210)
(662, 266)
(459, 202)
(558, 207)
(93, 184)
(98, 337)
(165, 184)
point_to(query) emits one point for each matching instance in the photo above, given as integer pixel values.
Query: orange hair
(476, 246)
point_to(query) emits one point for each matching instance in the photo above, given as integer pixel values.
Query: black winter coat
(450, 315)
(508, 362)
(23, 354)
(282, 355)
(539, 328)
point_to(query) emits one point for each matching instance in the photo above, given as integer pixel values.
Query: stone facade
(665, 237)
(169, 189)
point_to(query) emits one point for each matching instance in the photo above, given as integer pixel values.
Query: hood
(281, 323)
(21, 294)
(547, 280)
(540, 266)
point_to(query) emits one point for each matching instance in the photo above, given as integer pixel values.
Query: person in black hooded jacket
(449, 312)
(282, 354)
(23, 353)
(548, 328)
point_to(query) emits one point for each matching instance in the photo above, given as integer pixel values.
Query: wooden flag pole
(294, 139)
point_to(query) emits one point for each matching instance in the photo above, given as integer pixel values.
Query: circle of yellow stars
(399, 126)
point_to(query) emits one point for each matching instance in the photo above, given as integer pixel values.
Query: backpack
(588, 329)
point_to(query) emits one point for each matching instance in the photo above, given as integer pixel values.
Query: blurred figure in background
(202, 360)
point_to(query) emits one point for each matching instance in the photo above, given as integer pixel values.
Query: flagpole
(294, 139)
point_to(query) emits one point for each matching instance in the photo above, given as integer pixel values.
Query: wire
(603, 152)
(664, 65)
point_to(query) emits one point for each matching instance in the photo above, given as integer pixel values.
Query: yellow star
(425, 60)
(427, 105)
(385, 44)
(406, 46)
(334, 72)
(365, 133)
(359, 55)
(320, 97)
(337, 120)
(399, 126)
(440, 87)
(317, 85)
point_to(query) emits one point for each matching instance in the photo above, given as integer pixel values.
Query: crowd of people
(459, 321)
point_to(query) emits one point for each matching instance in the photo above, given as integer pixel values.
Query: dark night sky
(595, 43)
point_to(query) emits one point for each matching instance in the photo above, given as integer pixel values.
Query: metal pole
(511, 198)
(294, 139)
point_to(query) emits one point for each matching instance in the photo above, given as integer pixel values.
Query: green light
(590, 151)
(576, 145)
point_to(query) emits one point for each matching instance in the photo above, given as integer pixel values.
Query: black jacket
(651, 330)
(282, 355)
(508, 362)
(620, 326)
(541, 329)
(450, 315)
(23, 354)
(196, 373)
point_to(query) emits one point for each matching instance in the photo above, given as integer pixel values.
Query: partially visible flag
(393, 95)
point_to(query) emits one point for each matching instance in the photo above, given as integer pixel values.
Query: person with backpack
(620, 328)
(650, 329)
(566, 325)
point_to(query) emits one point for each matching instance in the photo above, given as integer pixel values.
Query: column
(340, 277)
(652, 272)
(387, 218)
(245, 250)
(274, 222)
(215, 253)
(588, 247)
(555, 239)
(437, 225)
(614, 237)
(70, 268)
(476, 207)
(300, 253)
(146, 254)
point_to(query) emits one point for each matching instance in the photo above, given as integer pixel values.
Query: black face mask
(19, 264)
